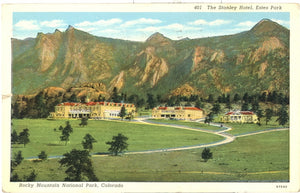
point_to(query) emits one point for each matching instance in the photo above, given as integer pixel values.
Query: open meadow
(263, 157)
(187, 123)
(141, 136)
(239, 129)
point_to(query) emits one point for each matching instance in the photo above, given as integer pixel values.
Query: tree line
(41, 105)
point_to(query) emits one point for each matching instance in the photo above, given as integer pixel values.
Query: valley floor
(261, 154)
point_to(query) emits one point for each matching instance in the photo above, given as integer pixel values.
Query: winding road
(228, 138)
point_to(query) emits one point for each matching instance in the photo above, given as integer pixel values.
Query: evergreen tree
(177, 101)
(283, 117)
(17, 159)
(246, 98)
(73, 98)
(216, 108)
(66, 132)
(223, 98)
(79, 166)
(88, 142)
(134, 98)
(60, 128)
(275, 97)
(171, 101)
(255, 106)
(43, 156)
(151, 101)
(228, 105)
(140, 103)
(268, 114)
(159, 98)
(123, 97)
(286, 100)
(16, 110)
(101, 98)
(14, 137)
(236, 98)
(219, 99)
(118, 144)
(40, 105)
(210, 98)
(259, 115)
(199, 104)
(83, 99)
(115, 96)
(122, 112)
(130, 116)
(32, 176)
(84, 122)
(263, 97)
(24, 137)
(206, 154)
(15, 178)
(209, 118)
(227, 99)
(245, 107)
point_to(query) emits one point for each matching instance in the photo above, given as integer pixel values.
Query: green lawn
(238, 128)
(186, 123)
(246, 159)
(263, 157)
(141, 136)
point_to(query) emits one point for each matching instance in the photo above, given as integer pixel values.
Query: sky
(139, 26)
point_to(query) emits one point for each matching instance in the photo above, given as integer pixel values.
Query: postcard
(183, 97)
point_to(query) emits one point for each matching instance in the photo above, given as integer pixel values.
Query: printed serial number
(281, 186)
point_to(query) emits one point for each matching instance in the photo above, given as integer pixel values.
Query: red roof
(162, 108)
(89, 104)
(247, 112)
(68, 104)
(241, 112)
(94, 103)
(192, 108)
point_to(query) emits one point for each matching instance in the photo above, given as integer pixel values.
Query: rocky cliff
(253, 61)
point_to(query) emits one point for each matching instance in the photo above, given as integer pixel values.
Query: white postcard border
(8, 186)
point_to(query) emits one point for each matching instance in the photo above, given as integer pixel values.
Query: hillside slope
(252, 61)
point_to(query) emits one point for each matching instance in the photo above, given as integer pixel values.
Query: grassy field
(263, 157)
(141, 136)
(238, 128)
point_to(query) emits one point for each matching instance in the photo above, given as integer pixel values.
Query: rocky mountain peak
(267, 26)
(70, 28)
(158, 39)
(159, 65)
(57, 31)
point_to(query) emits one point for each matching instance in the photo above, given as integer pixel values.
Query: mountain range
(74, 61)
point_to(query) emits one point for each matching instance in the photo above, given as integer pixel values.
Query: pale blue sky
(139, 26)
